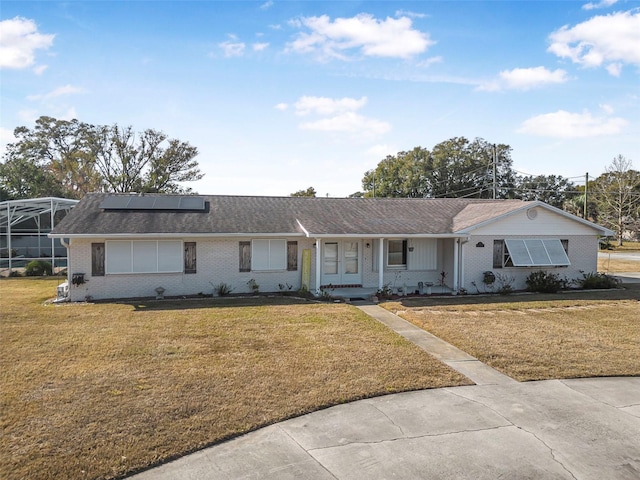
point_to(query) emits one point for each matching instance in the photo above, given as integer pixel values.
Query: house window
(533, 252)
(189, 257)
(397, 253)
(268, 255)
(97, 259)
(144, 256)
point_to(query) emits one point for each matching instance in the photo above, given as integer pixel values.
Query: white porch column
(456, 253)
(381, 264)
(318, 264)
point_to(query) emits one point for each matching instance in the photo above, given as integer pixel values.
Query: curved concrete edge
(553, 429)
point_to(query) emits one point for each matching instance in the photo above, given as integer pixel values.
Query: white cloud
(39, 70)
(349, 122)
(525, 79)
(429, 61)
(336, 115)
(232, 48)
(19, 39)
(266, 5)
(259, 47)
(407, 13)
(563, 124)
(394, 38)
(612, 40)
(381, 151)
(6, 137)
(328, 106)
(58, 92)
(608, 109)
(600, 4)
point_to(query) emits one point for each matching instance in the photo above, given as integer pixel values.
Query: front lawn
(539, 336)
(94, 391)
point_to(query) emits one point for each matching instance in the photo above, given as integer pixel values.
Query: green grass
(93, 391)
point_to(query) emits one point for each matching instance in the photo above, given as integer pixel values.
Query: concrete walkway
(472, 368)
(587, 429)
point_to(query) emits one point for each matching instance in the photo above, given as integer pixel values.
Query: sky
(279, 96)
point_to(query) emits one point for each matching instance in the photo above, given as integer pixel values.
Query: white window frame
(143, 256)
(268, 254)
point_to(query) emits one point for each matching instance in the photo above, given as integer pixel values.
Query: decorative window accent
(292, 256)
(532, 252)
(97, 259)
(189, 257)
(268, 254)
(144, 256)
(245, 256)
(397, 253)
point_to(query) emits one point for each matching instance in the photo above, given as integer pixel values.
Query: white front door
(341, 262)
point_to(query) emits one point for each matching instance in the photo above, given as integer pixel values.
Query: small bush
(504, 283)
(38, 268)
(222, 289)
(597, 280)
(545, 282)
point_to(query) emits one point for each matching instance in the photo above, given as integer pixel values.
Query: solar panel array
(151, 202)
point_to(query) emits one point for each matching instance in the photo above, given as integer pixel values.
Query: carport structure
(33, 218)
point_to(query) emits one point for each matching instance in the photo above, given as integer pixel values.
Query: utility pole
(586, 187)
(495, 161)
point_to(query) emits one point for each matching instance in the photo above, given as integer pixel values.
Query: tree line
(459, 167)
(60, 158)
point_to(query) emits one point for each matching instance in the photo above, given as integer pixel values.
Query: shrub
(222, 289)
(37, 268)
(504, 283)
(545, 282)
(597, 280)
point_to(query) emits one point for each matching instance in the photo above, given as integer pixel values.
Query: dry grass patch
(99, 390)
(616, 265)
(535, 337)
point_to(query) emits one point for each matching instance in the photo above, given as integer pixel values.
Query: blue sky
(282, 95)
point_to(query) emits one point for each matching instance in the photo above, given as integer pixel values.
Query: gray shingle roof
(284, 215)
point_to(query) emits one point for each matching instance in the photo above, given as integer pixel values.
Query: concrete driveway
(587, 429)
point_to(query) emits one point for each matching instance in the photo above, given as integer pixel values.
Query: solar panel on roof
(191, 203)
(153, 202)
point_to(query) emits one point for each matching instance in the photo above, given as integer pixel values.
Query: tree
(50, 160)
(309, 192)
(454, 168)
(130, 163)
(617, 194)
(72, 158)
(551, 189)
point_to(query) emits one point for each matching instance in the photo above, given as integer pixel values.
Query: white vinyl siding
(268, 255)
(536, 252)
(424, 255)
(144, 256)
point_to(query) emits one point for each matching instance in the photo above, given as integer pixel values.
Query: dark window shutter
(97, 259)
(189, 257)
(245, 256)
(498, 253)
(292, 256)
(565, 245)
